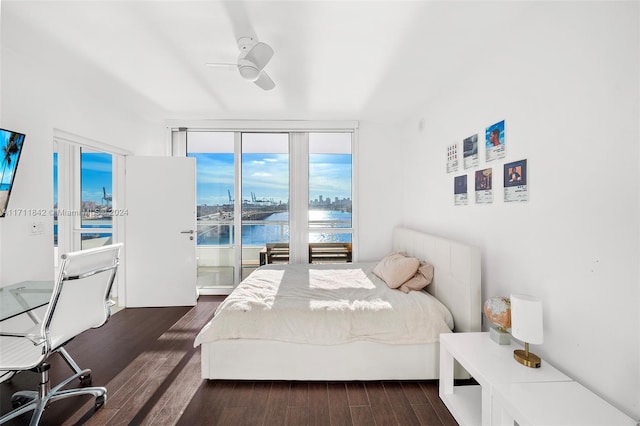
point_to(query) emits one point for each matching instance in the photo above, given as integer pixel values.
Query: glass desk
(23, 298)
(20, 298)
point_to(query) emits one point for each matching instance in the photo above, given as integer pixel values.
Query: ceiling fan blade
(264, 81)
(221, 65)
(260, 55)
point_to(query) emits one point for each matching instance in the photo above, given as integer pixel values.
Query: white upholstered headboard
(456, 280)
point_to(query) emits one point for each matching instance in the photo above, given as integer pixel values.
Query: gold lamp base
(527, 358)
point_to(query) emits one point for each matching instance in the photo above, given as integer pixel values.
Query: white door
(160, 241)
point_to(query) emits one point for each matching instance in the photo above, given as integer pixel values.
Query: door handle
(190, 231)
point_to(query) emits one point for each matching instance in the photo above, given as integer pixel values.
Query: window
(88, 180)
(330, 187)
(83, 205)
(214, 156)
(267, 188)
(215, 193)
(96, 182)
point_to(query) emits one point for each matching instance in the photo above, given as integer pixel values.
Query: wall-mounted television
(10, 150)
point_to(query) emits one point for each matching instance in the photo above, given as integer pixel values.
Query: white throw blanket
(325, 304)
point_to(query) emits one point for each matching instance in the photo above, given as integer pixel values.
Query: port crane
(106, 197)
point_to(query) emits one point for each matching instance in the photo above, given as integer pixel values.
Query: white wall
(41, 92)
(565, 77)
(379, 165)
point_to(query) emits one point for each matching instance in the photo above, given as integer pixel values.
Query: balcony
(216, 251)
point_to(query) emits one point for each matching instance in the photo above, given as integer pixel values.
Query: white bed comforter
(325, 304)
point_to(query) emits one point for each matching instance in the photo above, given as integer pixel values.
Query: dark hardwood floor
(146, 359)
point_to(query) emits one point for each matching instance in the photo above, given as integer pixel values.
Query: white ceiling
(333, 60)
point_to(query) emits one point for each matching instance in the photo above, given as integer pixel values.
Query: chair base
(37, 401)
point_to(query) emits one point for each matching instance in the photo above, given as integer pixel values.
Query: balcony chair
(80, 301)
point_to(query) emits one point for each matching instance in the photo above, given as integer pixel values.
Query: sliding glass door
(96, 195)
(265, 198)
(215, 208)
(269, 197)
(86, 210)
(88, 179)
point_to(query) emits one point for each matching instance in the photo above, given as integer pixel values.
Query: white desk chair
(80, 301)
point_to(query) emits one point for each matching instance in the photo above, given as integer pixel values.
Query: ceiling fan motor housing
(248, 70)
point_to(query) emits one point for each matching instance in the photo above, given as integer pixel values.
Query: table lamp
(526, 325)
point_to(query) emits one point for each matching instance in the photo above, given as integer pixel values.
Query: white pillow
(420, 280)
(396, 269)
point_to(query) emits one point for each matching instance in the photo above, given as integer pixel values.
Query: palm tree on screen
(10, 148)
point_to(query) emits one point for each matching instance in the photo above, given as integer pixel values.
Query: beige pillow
(395, 269)
(420, 280)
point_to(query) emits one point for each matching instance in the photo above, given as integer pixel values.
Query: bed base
(270, 360)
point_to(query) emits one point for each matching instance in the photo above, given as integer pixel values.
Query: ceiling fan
(254, 56)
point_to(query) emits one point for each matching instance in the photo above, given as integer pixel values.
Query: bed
(367, 346)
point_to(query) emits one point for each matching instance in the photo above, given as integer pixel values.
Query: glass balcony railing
(259, 232)
(216, 249)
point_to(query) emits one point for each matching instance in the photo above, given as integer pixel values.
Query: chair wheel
(100, 400)
(20, 400)
(85, 380)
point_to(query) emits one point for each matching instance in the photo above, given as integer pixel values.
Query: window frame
(68, 147)
(299, 172)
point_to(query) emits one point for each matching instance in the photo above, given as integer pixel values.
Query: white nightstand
(553, 404)
(489, 364)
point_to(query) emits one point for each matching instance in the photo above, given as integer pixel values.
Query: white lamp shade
(526, 318)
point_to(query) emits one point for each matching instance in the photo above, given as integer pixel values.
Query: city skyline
(266, 177)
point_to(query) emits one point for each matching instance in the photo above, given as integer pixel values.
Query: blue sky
(329, 176)
(267, 175)
(96, 174)
(55, 178)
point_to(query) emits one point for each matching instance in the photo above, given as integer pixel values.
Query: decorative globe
(498, 312)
